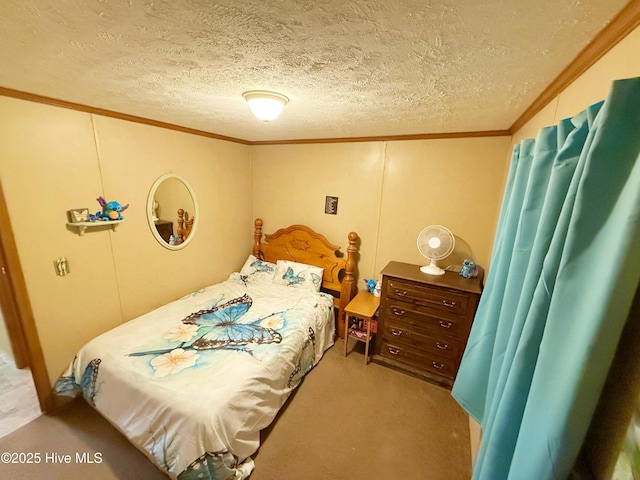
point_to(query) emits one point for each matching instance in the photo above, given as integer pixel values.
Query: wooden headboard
(301, 244)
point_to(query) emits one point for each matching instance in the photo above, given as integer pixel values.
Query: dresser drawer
(421, 319)
(439, 365)
(429, 297)
(401, 333)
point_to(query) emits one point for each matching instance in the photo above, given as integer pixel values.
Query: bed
(192, 383)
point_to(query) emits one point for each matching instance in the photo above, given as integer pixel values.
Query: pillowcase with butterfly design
(255, 270)
(298, 275)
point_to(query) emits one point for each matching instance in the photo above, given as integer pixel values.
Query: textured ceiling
(350, 68)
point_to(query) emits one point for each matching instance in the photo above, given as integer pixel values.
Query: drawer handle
(401, 293)
(393, 351)
(398, 312)
(396, 333)
(448, 304)
(437, 365)
(442, 346)
(444, 324)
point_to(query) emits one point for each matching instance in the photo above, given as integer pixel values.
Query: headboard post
(349, 286)
(257, 239)
(180, 228)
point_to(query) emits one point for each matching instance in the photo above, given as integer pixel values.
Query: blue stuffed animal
(371, 285)
(110, 210)
(469, 268)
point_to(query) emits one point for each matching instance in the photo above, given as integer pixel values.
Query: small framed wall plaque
(78, 215)
(331, 205)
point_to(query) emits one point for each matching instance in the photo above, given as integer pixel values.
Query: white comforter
(192, 383)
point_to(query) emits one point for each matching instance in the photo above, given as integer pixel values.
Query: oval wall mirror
(172, 211)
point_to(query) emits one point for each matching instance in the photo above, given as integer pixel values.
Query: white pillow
(298, 275)
(256, 270)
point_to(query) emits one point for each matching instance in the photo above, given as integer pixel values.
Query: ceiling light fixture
(265, 105)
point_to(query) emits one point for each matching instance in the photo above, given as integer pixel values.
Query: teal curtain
(564, 270)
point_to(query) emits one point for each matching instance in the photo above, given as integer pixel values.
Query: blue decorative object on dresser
(469, 268)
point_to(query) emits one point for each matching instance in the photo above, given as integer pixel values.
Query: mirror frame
(195, 214)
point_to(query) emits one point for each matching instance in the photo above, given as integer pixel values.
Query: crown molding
(388, 138)
(31, 97)
(624, 23)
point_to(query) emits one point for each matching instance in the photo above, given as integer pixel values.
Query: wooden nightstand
(363, 306)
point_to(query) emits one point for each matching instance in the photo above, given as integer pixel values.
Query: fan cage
(439, 252)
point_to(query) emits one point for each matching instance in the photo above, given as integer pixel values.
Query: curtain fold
(564, 269)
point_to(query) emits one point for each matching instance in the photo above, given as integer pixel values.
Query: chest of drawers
(424, 321)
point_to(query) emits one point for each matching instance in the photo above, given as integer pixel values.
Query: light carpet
(346, 421)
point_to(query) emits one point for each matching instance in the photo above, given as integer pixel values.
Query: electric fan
(435, 243)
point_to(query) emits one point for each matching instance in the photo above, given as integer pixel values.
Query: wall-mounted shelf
(82, 226)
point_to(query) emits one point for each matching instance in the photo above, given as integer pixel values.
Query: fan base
(432, 270)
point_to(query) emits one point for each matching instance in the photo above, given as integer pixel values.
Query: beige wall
(290, 183)
(388, 192)
(457, 183)
(53, 159)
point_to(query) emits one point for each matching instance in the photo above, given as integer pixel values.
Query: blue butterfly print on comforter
(225, 329)
(88, 382)
(222, 329)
